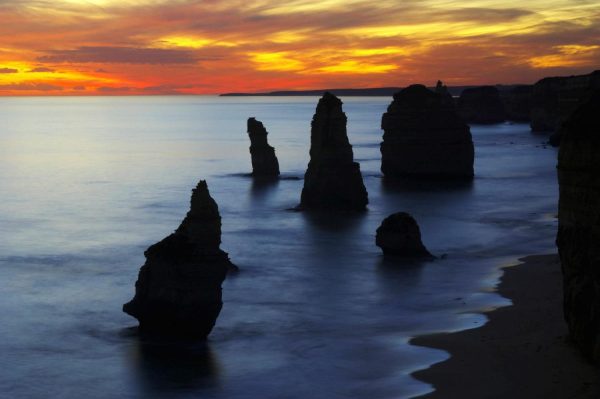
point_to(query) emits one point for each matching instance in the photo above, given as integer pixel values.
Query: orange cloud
(101, 47)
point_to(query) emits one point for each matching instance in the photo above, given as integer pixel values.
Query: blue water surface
(88, 183)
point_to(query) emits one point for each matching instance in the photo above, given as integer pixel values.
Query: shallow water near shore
(89, 183)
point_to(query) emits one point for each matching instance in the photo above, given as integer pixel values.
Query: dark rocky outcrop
(442, 90)
(578, 236)
(178, 291)
(554, 99)
(399, 236)
(517, 103)
(424, 136)
(481, 105)
(544, 104)
(332, 180)
(264, 161)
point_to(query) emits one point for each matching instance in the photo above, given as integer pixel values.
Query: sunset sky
(101, 47)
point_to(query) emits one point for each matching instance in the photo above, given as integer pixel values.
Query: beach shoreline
(523, 349)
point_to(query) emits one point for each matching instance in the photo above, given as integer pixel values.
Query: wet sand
(522, 352)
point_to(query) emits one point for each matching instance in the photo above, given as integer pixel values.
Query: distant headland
(368, 92)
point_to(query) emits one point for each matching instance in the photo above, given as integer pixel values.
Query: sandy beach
(522, 352)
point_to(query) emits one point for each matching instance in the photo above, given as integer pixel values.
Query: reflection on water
(316, 312)
(163, 368)
(263, 186)
(334, 221)
(400, 185)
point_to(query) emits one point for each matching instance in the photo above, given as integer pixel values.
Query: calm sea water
(88, 183)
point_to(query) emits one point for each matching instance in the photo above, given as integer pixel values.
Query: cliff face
(578, 236)
(264, 161)
(544, 104)
(481, 105)
(178, 291)
(332, 180)
(517, 103)
(424, 136)
(554, 99)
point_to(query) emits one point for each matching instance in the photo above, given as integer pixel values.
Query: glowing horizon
(132, 47)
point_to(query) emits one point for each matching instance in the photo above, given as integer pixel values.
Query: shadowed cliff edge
(523, 350)
(578, 235)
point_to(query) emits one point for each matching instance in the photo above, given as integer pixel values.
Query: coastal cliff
(481, 105)
(578, 237)
(554, 99)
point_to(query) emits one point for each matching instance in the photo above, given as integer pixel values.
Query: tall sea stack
(481, 105)
(333, 179)
(264, 161)
(578, 236)
(424, 137)
(178, 291)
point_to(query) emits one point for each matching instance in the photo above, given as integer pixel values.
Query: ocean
(88, 183)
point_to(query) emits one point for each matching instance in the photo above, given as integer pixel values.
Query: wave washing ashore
(523, 351)
(315, 300)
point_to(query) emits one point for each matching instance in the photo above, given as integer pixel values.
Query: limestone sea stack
(264, 161)
(332, 180)
(481, 105)
(178, 291)
(399, 236)
(578, 236)
(424, 137)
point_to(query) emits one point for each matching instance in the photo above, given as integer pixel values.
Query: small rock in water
(399, 236)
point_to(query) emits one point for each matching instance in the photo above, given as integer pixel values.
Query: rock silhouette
(264, 161)
(554, 99)
(544, 104)
(332, 179)
(178, 291)
(399, 236)
(517, 103)
(578, 237)
(481, 105)
(442, 90)
(424, 136)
